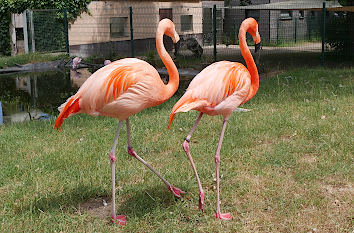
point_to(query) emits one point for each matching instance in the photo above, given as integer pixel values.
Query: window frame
(115, 35)
(289, 15)
(190, 28)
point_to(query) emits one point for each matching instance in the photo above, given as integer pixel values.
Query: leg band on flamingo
(112, 157)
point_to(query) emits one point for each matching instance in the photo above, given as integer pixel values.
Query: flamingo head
(252, 28)
(169, 29)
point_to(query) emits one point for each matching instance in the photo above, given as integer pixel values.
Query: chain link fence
(208, 34)
(289, 37)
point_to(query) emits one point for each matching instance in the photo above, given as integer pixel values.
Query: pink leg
(219, 215)
(176, 191)
(185, 146)
(120, 219)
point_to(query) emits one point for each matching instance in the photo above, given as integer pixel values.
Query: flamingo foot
(201, 201)
(176, 191)
(131, 151)
(226, 216)
(120, 219)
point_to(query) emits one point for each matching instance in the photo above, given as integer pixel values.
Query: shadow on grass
(147, 200)
(66, 201)
(91, 200)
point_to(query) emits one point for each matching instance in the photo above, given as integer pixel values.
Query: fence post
(131, 31)
(214, 31)
(323, 33)
(33, 44)
(277, 31)
(295, 28)
(25, 32)
(66, 28)
(309, 28)
(1, 116)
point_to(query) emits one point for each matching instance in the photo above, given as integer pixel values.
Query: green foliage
(49, 39)
(346, 2)
(150, 57)
(245, 2)
(74, 9)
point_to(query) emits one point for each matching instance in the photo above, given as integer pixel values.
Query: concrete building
(106, 28)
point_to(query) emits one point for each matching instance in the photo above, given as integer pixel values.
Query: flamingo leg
(176, 191)
(120, 219)
(185, 146)
(219, 215)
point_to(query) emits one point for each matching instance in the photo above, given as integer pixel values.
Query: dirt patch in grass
(97, 207)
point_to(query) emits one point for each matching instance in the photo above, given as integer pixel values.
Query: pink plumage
(218, 90)
(121, 89)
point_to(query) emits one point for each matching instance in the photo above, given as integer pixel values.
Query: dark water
(37, 95)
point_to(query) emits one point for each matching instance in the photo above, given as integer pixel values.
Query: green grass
(29, 58)
(286, 165)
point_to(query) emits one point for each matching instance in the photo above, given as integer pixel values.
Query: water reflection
(36, 95)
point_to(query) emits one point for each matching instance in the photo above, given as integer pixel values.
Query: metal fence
(289, 37)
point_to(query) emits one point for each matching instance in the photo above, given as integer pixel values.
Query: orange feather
(71, 107)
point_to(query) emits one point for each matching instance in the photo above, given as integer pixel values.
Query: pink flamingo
(107, 62)
(121, 89)
(76, 62)
(218, 90)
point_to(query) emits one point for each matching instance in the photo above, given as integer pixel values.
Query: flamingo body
(121, 89)
(218, 90)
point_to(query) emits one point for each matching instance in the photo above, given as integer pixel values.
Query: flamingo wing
(218, 89)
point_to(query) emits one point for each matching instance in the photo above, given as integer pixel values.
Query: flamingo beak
(175, 38)
(257, 47)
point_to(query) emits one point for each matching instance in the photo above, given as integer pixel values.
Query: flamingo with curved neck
(218, 90)
(121, 89)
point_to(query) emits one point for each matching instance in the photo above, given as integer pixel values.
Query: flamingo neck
(173, 82)
(252, 68)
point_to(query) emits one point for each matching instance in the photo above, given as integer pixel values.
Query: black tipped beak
(257, 47)
(177, 44)
(177, 47)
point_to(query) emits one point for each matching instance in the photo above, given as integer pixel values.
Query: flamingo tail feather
(70, 108)
(185, 105)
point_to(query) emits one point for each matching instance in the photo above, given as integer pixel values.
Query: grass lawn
(287, 166)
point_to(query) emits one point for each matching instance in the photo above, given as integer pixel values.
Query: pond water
(37, 95)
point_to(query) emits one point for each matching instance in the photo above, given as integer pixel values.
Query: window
(286, 15)
(118, 26)
(301, 14)
(186, 23)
